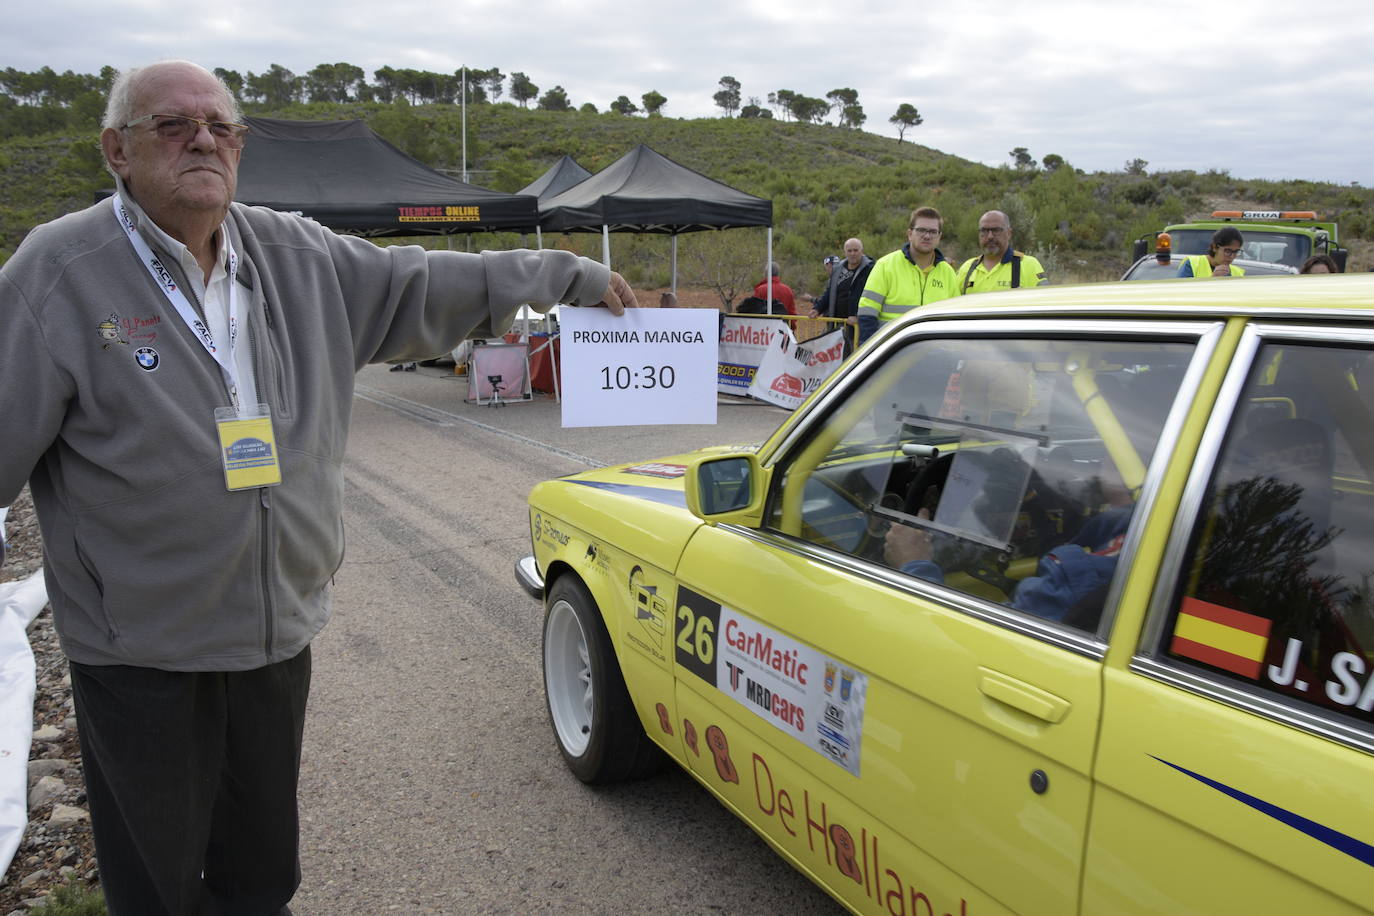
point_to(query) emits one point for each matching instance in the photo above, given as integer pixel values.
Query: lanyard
(174, 295)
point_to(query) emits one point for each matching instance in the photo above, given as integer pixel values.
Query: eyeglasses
(924, 232)
(1231, 251)
(180, 129)
(991, 230)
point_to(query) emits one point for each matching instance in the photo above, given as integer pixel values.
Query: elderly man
(914, 275)
(176, 376)
(844, 286)
(999, 267)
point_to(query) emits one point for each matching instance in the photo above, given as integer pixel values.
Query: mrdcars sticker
(798, 690)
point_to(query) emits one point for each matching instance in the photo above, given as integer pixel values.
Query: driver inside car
(1070, 581)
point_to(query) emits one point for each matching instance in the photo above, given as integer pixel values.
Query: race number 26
(698, 619)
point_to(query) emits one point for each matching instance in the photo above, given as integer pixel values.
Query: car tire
(594, 721)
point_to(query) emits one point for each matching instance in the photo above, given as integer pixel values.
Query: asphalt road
(431, 782)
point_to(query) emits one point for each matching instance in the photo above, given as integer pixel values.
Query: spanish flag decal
(1221, 637)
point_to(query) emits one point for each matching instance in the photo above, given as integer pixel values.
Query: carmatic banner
(743, 342)
(790, 371)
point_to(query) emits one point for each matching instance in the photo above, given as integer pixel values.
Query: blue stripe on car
(653, 494)
(1333, 838)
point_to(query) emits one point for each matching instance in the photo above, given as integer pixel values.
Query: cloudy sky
(1261, 88)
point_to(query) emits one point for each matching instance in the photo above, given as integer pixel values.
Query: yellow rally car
(1053, 601)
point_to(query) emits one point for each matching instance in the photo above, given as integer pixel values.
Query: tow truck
(1277, 236)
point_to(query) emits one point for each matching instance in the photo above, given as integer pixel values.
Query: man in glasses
(1000, 267)
(1217, 262)
(176, 377)
(914, 275)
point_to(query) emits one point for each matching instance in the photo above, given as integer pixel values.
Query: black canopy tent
(346, 177)
(562, 175)
(645, 191)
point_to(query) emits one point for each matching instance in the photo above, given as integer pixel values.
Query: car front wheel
(593, 718)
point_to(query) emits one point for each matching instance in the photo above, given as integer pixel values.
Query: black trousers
(191, 779)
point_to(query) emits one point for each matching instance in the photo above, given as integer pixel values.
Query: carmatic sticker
(657, 470)
(814, 698)
(1357, 849)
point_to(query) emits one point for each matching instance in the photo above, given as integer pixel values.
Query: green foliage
(72, 900)
(1021, 158)
(521, 89)
(906, 118)
(653, 102)
(556, 99)
(727, 99)
(826, 183)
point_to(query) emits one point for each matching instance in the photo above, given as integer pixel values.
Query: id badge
(247, 447)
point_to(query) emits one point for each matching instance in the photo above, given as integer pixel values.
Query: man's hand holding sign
(642, 367)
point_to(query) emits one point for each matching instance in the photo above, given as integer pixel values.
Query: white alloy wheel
(568, 678)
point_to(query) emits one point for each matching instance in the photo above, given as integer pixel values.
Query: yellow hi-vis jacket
(1016, 269)
(1199, 268)
(896, 285)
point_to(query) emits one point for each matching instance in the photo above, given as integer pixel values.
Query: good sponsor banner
(797, 689)
(790, 371)
(743, 342)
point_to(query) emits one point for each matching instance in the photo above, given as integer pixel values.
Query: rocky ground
(57, 848)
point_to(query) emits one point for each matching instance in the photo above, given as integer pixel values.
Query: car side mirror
(726, 489)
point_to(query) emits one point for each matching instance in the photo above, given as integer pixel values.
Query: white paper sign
(644, 368)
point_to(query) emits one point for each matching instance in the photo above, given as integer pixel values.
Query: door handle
(1018, 694)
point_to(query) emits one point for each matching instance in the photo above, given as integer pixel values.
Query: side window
(1007, 469)
(1276, 585)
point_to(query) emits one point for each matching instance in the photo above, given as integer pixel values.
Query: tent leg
(553, 361)
(538, 237)
(674, 287)
(768, 270)
(606, 245)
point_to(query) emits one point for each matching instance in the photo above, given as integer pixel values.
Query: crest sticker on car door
(798, 690)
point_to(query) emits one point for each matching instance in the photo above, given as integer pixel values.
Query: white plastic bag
(20, 603)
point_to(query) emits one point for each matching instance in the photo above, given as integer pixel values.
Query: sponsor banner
(790, 371)
(795, 688)
(439, 214)
(743, 342)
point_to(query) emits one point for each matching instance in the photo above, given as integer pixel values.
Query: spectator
(845, 287)
(782, 293)
(1000, 267)
(1319, 264)
(916, 274)
(1226, 244)
(189, 483)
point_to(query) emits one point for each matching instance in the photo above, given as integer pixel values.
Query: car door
(1237, 748)
(918, 732)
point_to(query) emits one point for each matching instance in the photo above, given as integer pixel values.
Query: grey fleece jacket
(107, 407)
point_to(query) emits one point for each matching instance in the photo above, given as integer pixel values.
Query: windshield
(1291, 248)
